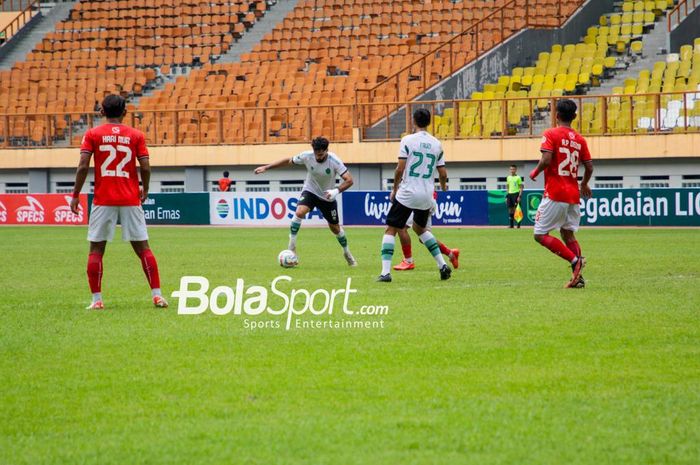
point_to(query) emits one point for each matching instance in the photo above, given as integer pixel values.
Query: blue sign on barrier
(454, 208)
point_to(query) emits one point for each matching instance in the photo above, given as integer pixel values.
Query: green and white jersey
(320, 176)
(423, 154)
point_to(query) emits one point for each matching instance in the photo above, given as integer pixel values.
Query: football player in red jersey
(116, 148)
(562, 151)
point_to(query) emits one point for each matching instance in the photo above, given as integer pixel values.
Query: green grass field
(499, 365)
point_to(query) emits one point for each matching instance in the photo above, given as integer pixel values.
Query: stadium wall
(17, 38)
(687, 31)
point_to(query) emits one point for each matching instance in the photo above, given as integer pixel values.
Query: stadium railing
(14, 5)
(466, 47)
(19, 21)
(221, 126)
(629, 114)
(619, 114)
(680, 11)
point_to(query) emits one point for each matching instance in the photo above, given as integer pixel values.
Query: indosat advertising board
(259, 209)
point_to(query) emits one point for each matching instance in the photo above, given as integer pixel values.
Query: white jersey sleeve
(301, 158)
(404, 150)
(338, 166)
(441, 158)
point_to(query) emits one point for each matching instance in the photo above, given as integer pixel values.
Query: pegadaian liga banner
(260, 209)
(614, 207)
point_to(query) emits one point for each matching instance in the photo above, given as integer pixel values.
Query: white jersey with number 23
(423, 154)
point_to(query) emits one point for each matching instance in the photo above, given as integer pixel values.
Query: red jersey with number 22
(568, 149)
(116, 148)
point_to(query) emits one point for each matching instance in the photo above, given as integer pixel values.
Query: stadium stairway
(52, 13)
(654, 48)
(274, 15)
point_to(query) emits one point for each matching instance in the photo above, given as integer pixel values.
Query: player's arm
(277, 164)
(345, 185)
(398, 175)
(80, 177)
(145, 165)
(587, 173)
(442, 176)
(542, 165)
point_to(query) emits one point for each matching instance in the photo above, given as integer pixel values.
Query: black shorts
(399, 213)
(329, 210)
(512, 200)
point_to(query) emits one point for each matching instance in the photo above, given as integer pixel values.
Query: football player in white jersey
(419, 157)
(319, 190)
(407, 263)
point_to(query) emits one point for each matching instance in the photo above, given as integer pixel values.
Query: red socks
(150, 268)
(443, 249)
(557, 247)
(406, 251)
(94, 272)
(574, 247)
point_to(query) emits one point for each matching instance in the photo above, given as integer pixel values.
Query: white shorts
(103, 221)
(554, 215)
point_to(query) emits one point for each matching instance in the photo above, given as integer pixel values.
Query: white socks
(388, 242)
(293, 230)
(433, 247)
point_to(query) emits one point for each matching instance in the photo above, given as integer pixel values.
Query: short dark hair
(114, 106)
(421, 117)
(513, 166)
(566, 110)
(320, 143)
(226, 174)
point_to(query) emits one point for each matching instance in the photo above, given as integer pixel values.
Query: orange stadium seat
(117, 46)
(323, 51)
(318, 55)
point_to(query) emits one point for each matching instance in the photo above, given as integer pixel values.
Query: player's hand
(75, 205)
(392, 196)
(260, 169)
(586, 191)
(332, 194)
(143, 194)
(533, 174)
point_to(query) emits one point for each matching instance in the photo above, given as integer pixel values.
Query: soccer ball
(288, 259)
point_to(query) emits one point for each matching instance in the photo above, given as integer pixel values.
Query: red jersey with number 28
(568, 149)
(116, 148)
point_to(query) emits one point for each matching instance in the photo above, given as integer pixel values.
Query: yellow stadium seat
(649, 18)
(686, 52)
(636, 47)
